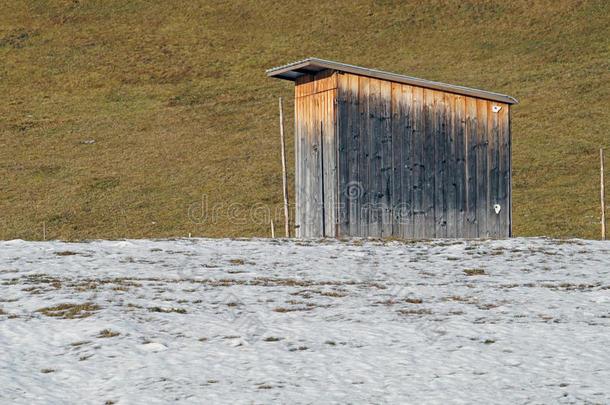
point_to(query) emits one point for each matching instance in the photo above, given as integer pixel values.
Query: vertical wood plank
(375, 135)
(482, 170)
(493, 171)
(307, 153)
(471, 166)
(353, 190)
(429, 164)
(398, 123)
(333, 152)
(504, 171)
(461, 179)
(386, 158)
(417, 154)
(325, 166)
(314, 193)
(343, 151)
(440, 161)
(363, 109)
(450, 167)
(408, 163)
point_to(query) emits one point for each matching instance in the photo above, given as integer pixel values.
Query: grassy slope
(179, 106)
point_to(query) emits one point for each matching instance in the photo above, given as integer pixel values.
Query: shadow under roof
(294, 70)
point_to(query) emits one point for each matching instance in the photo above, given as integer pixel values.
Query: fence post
(603, 197)
(284, 176)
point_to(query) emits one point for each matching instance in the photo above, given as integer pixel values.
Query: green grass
(178, 104)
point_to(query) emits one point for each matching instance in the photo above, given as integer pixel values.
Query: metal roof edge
(277, 72)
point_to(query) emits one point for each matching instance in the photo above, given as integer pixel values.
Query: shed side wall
(315, 155)
(420, 163)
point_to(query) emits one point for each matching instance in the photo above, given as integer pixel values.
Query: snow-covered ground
(277, 321)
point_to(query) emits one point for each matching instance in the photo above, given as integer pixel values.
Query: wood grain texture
(375, 135)
(461, 178)
(429, 164)
(385, 160)
(353, 187)
(482, 170)
(504, 171)
(399, 160)
(343, 152)
(440, 165)
(451, 156)
(316, 148)
(407, 164)
(365, 151)
(417, 154)
(398, 124)
(493, 170)
(471, 166)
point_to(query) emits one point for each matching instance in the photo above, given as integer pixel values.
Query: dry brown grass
(178, 105)
(474, 272)
(70, 311)
(107, 333)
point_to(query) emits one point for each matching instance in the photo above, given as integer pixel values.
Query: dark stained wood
(330, 164)
(417, 154)
(398, 138)
(375, 137)
(354, 157)
(343, 147)
(493, 171)
(471, 166)
(429, 164)
(365, 147)
(408, 165)
(385, 160)
(393, 159)
(504, 170)
(461, 180)
(450, 167)
(439, 134)
(482, 170)
(315, 203)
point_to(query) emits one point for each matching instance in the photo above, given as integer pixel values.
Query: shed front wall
(316, 155)
(412, 162)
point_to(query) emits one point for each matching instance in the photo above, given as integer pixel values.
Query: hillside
(178, 105)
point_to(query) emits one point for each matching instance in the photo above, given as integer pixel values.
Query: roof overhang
(307, 66)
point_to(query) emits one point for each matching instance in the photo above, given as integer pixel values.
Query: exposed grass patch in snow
(107, 333)
(70, 311)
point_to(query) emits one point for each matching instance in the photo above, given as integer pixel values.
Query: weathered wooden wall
(379, 158)
(316, 154)
(420, 163)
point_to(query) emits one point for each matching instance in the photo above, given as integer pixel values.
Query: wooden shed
(380, 154)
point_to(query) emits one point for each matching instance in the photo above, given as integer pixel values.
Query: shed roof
(294, 70)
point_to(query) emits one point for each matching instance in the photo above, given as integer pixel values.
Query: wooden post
(44, 230)
(603, 197)
(272, 230)
(284, 176)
